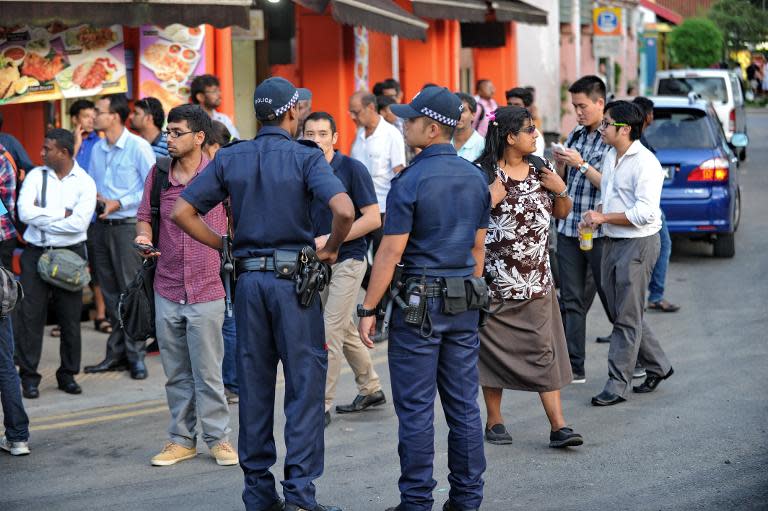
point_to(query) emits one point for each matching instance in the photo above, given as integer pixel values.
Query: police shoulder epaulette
(308, 143)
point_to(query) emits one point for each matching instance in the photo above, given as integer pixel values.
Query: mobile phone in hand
(145, 247)
(557, 147)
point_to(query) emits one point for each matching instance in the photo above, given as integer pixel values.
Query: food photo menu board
(57, 61)
(170, 57)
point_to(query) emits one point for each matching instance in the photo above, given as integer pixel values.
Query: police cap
(275, 96)
(437, 103)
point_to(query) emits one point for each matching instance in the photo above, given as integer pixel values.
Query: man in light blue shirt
(468, 142)
(119, 165)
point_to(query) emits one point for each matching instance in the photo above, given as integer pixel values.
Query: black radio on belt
(310, 274)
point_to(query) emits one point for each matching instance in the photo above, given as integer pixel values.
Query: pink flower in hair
(492, 116)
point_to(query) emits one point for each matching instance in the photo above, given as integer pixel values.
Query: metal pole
(576, 27)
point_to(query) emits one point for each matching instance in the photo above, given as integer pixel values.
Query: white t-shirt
(380, 153)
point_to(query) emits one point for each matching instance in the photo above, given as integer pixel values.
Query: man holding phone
(189, 301)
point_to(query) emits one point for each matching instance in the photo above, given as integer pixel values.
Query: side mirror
(739, 140)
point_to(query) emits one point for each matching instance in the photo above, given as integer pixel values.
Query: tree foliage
(697, 42)
(742, 22)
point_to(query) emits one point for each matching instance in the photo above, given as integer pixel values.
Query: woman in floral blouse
(523, 345)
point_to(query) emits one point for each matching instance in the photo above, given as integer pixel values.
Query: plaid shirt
(7, 195)
(187, 271)
(585, 196)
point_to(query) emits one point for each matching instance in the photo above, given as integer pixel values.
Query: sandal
(56, 331)
(663, 306)
(102, 325)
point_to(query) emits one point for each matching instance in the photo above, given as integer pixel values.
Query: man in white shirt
(468, 142)
(380, 146)
(56, 202)
(630, 191)
(205, 90)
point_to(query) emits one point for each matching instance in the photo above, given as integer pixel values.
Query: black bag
(136, 308)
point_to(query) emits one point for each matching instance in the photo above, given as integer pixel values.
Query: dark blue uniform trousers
(272, 327)
(446, 361)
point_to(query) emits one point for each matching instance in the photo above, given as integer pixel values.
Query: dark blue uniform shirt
(356, 179)
(441, 200)
(271, 181)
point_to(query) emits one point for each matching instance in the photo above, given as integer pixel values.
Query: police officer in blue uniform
(437, 217)
(271, 182)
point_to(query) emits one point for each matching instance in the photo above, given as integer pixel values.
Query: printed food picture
(29, 64)
(171, 56)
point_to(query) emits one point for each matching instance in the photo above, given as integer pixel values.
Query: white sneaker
(15, 448)
(578, 378)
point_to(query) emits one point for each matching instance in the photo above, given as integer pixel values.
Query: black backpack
(136, 308)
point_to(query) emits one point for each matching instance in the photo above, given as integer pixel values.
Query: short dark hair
(628, 113)
(391, 83)
(219, 134)
(64, 139)
(197, 119)
(200, 83)
(154, 108)
(469, 100)
(383, 102)
(118, 104)
(322, 116)
(644, 104)
(378, 88)
(80, 105)
(591, 85)
(480, 83)
(522, 93)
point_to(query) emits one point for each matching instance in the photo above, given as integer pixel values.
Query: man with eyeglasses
(205, 90)
(119, 164)
(147, 119)
(189, 300)
(381, 148)
(630, 216)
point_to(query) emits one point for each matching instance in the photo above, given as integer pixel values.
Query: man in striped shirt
(579, 164)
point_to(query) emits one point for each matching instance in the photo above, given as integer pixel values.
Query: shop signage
(55, 62)
(170, 57)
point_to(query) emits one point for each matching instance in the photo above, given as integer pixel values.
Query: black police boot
(448, 506)
(319, 507)
(362, 402)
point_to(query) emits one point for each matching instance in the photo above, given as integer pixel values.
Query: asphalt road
(699, 442)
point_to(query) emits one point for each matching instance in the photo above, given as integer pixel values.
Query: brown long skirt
(523, 347)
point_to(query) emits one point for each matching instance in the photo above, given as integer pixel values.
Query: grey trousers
(191, 350)
(626, 269)
(116, 262)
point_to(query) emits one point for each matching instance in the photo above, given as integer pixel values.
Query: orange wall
(26, 122)
(498, 65)
(434, 61)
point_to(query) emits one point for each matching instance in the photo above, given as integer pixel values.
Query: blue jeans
(229, 366)
(14, 417)
(659, 275)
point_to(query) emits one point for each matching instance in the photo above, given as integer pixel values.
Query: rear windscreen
(712, 89)
(679, 129)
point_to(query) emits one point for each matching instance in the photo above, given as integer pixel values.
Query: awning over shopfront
(662, 12)
(377, 15)
(462, 10)
(219, 13)
(515, 10)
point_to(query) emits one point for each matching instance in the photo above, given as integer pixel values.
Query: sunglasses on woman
(528, 129)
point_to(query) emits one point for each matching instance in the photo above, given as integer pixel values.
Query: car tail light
(711, 171)
(732, 121)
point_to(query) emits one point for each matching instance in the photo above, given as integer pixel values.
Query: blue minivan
(701, 197)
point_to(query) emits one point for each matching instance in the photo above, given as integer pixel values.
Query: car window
(711, 88)
(679, 128)
(738, 99)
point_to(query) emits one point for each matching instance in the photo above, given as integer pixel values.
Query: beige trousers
(340, 300)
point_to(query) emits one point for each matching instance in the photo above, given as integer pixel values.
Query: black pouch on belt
(454, 296)
(478, 297)
(286, 262)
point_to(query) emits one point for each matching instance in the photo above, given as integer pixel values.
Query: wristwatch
(584, 167)
(562, 194)
(362, 312)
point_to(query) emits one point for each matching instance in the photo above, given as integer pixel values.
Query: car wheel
(725, 245)
(737, 211)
